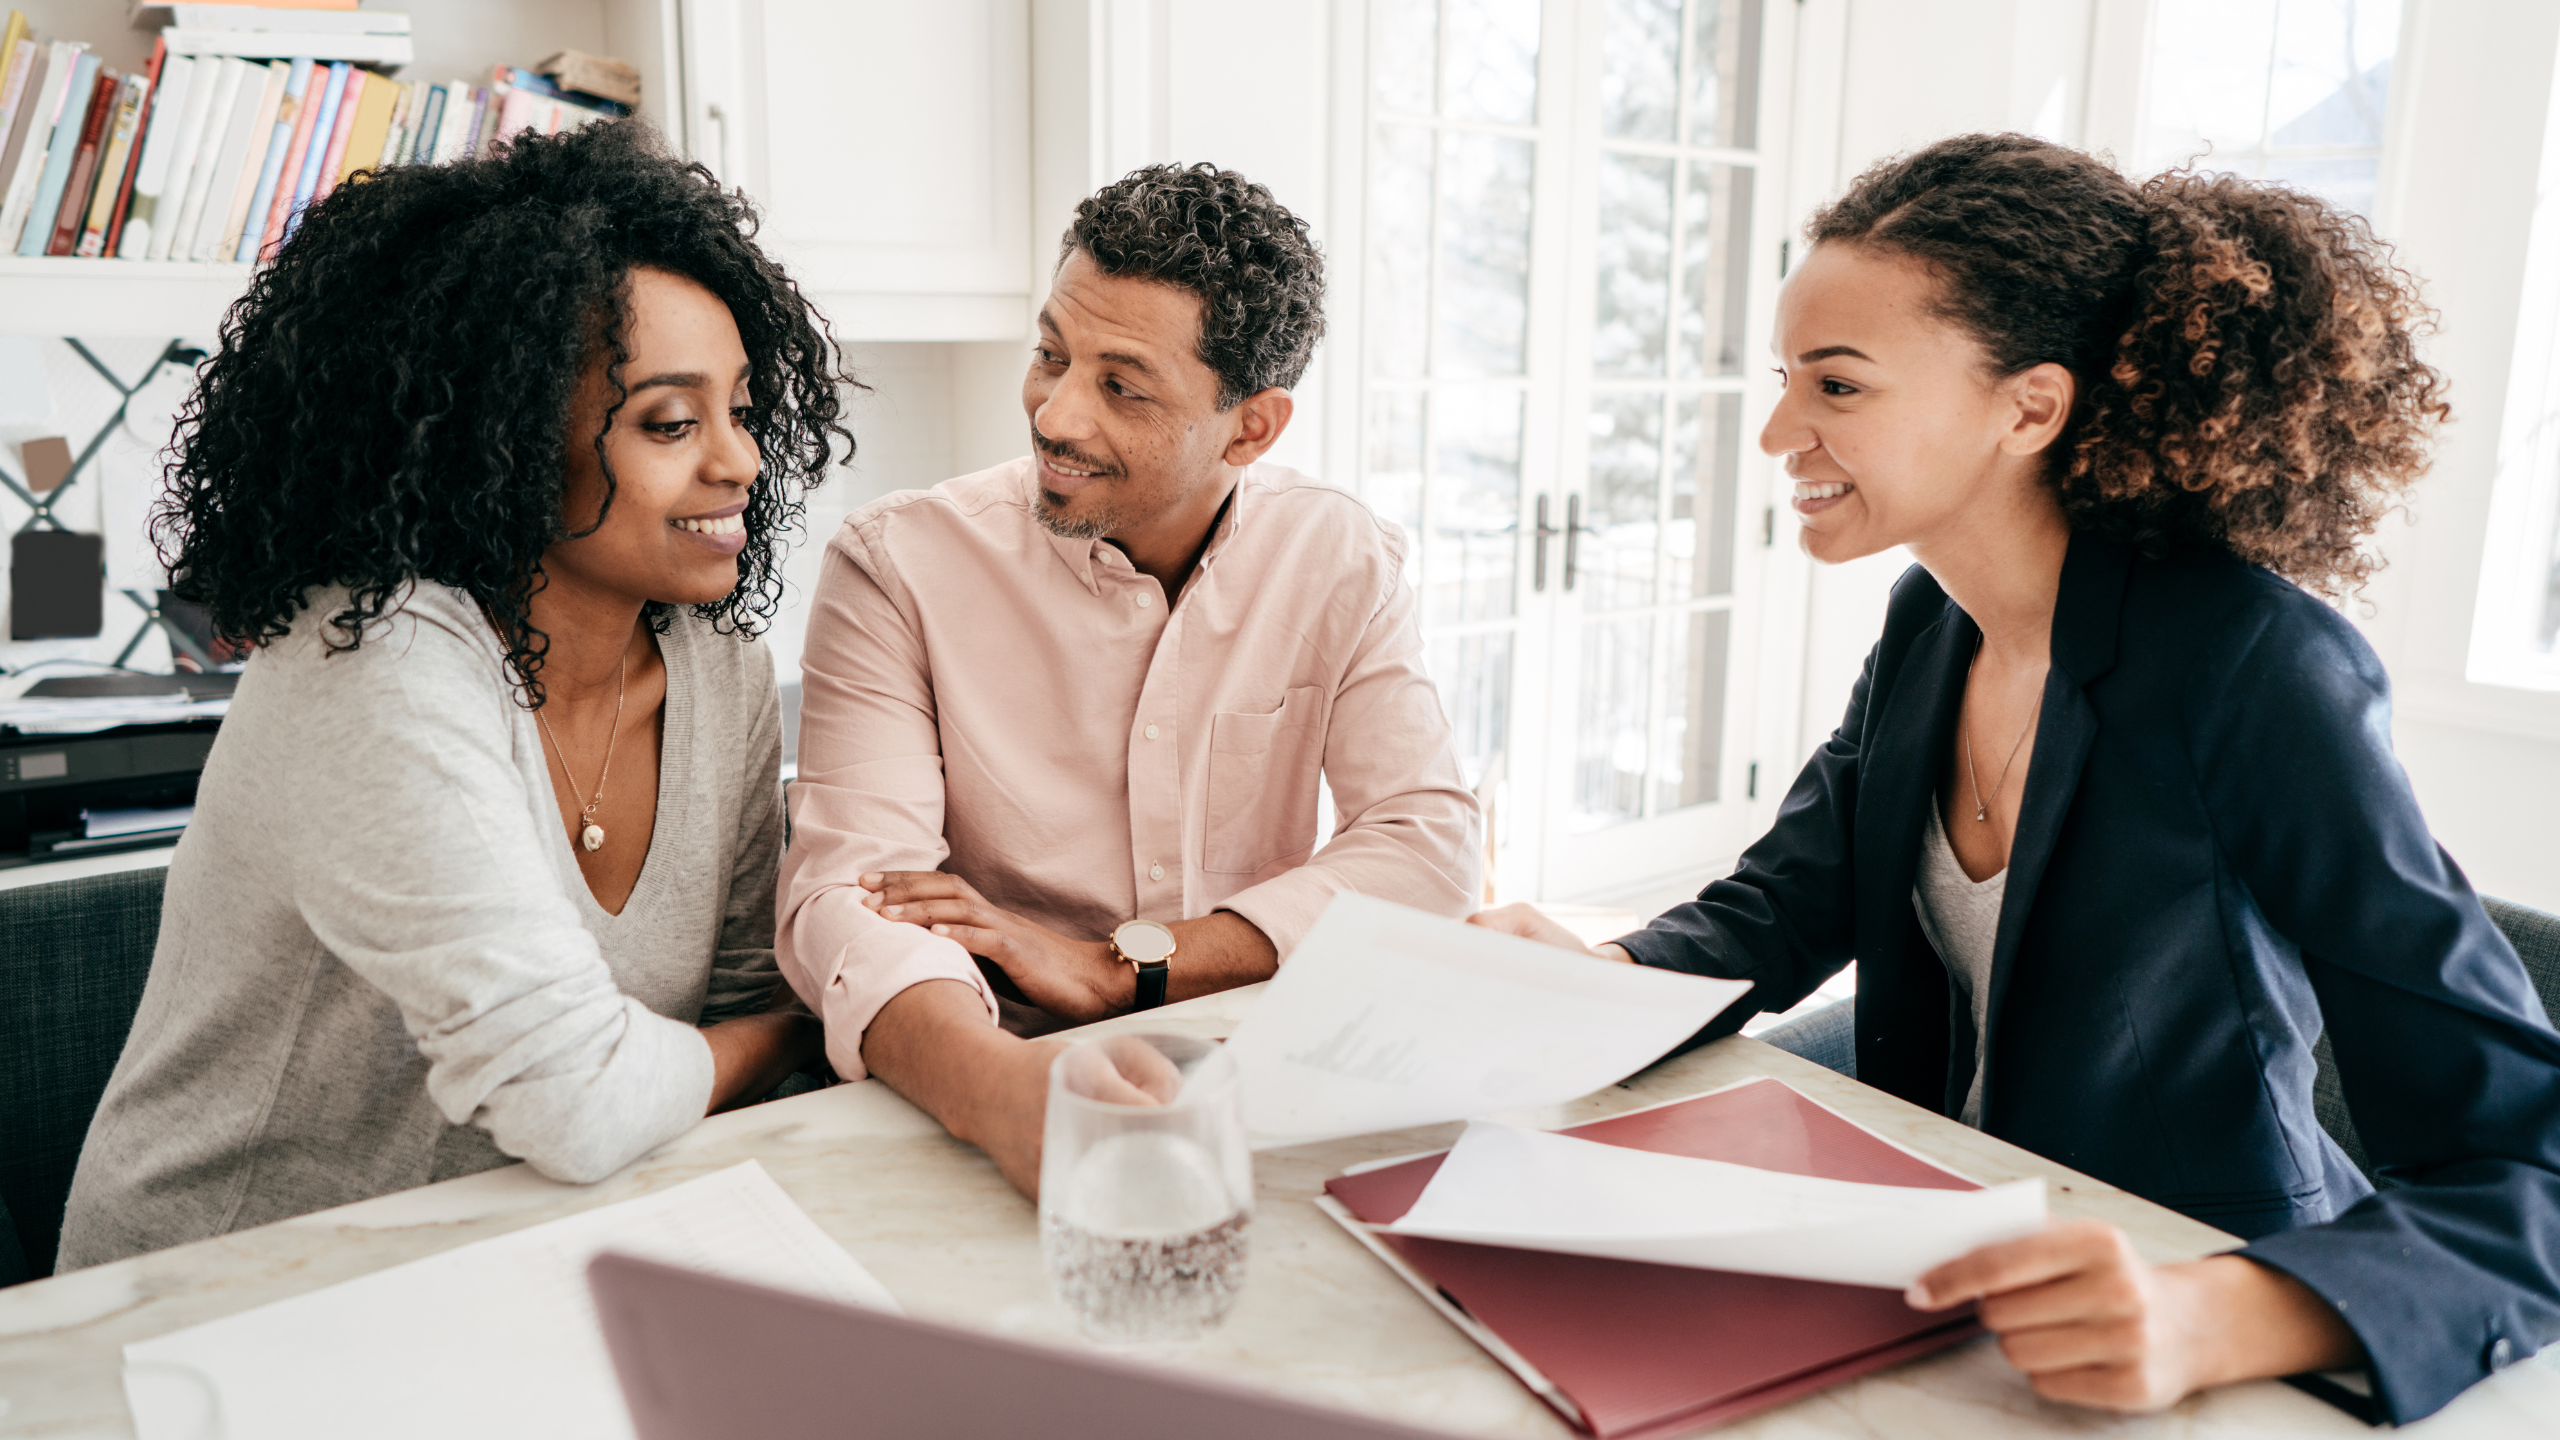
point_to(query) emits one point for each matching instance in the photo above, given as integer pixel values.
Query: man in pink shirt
(1098, 686)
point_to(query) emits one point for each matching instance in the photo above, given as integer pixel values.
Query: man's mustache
(1068, 453)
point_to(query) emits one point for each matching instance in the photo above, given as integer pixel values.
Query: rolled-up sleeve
(1407, 827)
(869, 797)
(418, 866)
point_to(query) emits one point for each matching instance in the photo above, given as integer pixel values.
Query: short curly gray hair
(1223, 238)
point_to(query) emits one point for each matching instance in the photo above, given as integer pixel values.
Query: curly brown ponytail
(2246, 354)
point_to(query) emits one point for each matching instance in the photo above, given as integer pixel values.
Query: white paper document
(1530, 1190)
(1385, 1017)
(492, 1340)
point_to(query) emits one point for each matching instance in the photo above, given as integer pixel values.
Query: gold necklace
(591, 834)
(1964, 732)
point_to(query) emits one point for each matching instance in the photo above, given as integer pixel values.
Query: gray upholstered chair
(1828, 1036)
(73, 956)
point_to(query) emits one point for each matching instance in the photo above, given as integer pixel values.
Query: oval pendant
(593, 836)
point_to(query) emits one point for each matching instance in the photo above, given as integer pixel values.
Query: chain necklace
(591, 834)
(1981, 810)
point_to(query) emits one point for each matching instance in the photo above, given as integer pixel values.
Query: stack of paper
(491, 1340)
(1386, 1017)
(1531, 1190)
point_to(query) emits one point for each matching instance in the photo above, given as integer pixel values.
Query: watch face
(1143, 941)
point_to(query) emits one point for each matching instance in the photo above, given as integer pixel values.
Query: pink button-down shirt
(1025, 711)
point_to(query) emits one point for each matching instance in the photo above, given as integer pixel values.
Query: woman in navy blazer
(2116, 425)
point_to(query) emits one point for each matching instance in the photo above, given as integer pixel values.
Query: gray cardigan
(378, 964)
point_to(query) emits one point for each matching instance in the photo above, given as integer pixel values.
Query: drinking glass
(1146, 1187)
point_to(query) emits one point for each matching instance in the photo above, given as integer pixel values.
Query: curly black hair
(2246, 353)
(1223, 238)
(391, 400)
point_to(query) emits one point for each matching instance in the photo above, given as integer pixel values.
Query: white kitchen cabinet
(889, 145)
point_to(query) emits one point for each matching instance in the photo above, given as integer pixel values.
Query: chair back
(73, 957)
(2536, 936)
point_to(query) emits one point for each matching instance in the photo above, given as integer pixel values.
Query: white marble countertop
(1320, 1317)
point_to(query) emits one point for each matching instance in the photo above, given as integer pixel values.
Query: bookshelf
(62, 296)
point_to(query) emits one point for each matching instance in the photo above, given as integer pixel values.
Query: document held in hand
(1532, 1190)
(1641, 1350)
(1386, 1017)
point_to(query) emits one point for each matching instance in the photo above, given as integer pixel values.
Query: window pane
(1615, 560)
(2332, 71)
(1474, 522)
(2208, 84)
(1402, 52)
(1391, 470)
(1609, 740)
(1639, 70)
(1715, 269)
(2349, 184)
(1634, 255)
(1724, 73)
(1493, 61)
(1398, 305)
(1704, 464)
(1690, 758)
(1483, 305)
(1473, 676)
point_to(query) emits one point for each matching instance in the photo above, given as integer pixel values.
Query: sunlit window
(2287, 90)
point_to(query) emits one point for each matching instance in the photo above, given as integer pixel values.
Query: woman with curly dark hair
(2112, 829)
(494, 468)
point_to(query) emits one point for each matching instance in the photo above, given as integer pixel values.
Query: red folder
(1630, 1351)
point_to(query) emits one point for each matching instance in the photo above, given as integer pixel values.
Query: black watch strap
(1151, 981)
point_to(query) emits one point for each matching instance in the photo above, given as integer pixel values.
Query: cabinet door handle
(1545, 532)
(720, 117)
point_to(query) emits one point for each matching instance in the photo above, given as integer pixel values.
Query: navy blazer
(2216, 855)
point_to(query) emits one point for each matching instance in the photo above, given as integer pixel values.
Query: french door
(1563, 278)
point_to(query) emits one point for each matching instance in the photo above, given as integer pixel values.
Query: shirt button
(2501, 1353)
(1155, 872)
(1145, 600)
(1151, 732)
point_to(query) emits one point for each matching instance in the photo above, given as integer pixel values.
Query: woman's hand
(1076, 980)
(1531, 923)
(2091, 1323)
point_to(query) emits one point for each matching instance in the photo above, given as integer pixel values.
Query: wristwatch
(1147, 946)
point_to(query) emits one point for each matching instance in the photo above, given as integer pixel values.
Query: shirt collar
(1080, 555)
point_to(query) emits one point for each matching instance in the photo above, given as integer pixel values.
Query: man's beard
(1050, 509)
(1045, 509)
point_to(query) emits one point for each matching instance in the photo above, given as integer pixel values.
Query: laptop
(706, 1358)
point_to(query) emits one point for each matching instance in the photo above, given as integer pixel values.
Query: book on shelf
(323, 20)
(615, 82)
(355, 48)
(198, 154)
(114, 165)
(123, 172)
(177, 111)
(290, 129)
(253, 149)
(216, 149)
(70, 116)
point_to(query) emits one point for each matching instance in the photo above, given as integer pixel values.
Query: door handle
(1545, 532)
(1572, 537)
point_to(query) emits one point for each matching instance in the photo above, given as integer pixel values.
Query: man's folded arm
(868, 798)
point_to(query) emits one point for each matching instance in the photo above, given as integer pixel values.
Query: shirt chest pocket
(1262, 783)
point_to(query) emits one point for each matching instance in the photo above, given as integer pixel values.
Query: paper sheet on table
(1530, 1190)
(1385, 1017)
(491, 1340)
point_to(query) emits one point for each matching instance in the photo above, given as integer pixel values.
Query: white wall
(2473, 87)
